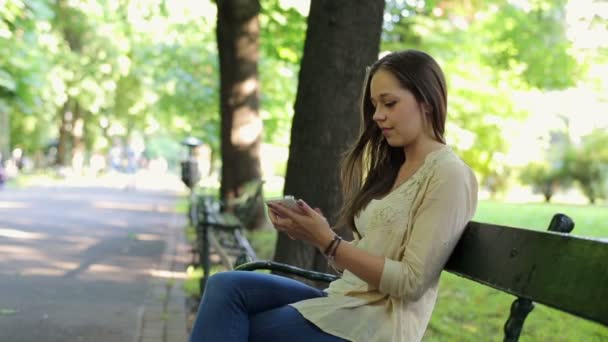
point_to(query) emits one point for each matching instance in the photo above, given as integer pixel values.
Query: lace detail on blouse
(402, 196)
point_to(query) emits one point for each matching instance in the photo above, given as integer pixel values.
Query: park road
(76, 262)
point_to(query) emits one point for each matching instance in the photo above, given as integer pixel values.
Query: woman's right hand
(278, 221)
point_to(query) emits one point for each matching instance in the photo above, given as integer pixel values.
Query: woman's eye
(390, 104)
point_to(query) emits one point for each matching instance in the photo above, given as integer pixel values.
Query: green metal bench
(221, 226)
(553, 268)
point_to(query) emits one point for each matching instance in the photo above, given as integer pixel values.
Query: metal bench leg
(205, 257)
(521, 307)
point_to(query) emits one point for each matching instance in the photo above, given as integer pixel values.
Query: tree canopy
(151, 68)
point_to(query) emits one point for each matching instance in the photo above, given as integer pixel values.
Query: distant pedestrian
(2, 176)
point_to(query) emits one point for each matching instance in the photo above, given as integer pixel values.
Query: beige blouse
(415, 227)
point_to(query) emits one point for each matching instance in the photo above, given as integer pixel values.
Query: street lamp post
(190, 176)
(190, 173)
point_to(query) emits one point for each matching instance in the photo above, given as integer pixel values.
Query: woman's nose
(378, 116)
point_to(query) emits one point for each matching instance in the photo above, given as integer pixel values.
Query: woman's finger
(273, 217)
(283, 224)
(280, 222)
(282, 211)
(308, 210)
(274, 213)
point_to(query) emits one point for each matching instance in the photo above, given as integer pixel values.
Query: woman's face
(397, 113)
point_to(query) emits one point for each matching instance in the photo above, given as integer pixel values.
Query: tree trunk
(71, 120)
(5, 133)
(237, 39)
(343, 37)
(65, 123)
(547, 191)
(77, 135)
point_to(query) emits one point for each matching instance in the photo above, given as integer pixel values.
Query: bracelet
(333, 251)
(332, 254)
(331, 245)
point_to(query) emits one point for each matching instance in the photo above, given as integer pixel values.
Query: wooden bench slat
(562, 271)
(222, 220)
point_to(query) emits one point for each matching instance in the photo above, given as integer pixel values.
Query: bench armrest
(285, 268)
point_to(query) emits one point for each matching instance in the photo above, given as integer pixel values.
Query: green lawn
(589, 221)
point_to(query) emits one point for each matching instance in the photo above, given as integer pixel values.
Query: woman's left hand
(304, 224)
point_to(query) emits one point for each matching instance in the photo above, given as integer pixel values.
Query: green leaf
(7, 82)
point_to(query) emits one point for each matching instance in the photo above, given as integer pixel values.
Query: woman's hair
(369, 168)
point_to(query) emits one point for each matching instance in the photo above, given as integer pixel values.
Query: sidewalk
(150, 298)
(163, 316)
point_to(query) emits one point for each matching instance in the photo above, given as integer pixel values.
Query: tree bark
(70, 114)
(5, 133)
(238, 45)
(78, 135)
(65, 123)
(342, 38)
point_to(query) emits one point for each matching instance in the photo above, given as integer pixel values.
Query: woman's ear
(427, 109)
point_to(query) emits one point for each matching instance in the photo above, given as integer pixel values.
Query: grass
(193, 278)
(590, 221)
(263, 242)
(468, 311)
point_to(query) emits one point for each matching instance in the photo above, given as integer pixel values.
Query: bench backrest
(565, 272)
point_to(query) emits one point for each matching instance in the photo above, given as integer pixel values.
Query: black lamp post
(191, 174)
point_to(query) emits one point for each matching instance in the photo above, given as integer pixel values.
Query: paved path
(90, 264)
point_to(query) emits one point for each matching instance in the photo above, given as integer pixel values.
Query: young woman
(408, 199)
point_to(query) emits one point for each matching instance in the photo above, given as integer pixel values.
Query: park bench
(553, 268)
(220, 227)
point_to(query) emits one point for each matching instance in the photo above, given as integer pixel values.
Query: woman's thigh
(285, 324)
(254, 292)
(231, 298)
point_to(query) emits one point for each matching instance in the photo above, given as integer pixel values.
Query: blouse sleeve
(448, 205)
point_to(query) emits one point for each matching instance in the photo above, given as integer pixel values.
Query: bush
(543, 178)
(587, 164)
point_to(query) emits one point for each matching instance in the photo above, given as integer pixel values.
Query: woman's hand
(305, 223)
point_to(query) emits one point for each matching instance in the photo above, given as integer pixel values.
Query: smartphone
(288, 201)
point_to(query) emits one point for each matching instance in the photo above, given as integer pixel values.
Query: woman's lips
(385, 131)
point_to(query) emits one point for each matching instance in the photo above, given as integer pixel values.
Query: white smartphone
(288, 201)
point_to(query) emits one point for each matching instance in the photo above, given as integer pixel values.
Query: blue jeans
(248, 306)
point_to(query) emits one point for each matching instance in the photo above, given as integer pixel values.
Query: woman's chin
(392, 142)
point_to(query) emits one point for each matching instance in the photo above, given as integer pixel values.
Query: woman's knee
(224, 281)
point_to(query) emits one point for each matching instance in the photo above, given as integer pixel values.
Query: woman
(2, 173)
(408, 199)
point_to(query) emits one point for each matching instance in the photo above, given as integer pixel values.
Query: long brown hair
(369, 168)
